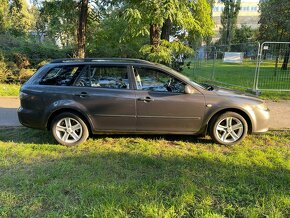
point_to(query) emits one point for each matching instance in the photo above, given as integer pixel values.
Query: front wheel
(228, 128)
(69, 129)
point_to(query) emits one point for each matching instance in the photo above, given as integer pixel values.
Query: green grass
(9, 89)
(149, 176)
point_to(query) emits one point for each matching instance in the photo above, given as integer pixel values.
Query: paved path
(280, 113)
(8, 111)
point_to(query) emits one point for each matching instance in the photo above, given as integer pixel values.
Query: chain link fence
(245, 66)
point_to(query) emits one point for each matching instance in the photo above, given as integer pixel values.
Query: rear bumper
(30, 118)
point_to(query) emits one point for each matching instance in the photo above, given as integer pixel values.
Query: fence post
(213, 64)
(257, 70)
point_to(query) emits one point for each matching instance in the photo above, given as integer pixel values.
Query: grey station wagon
(75, 97)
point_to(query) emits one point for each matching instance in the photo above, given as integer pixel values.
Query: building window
(254, 8)
(215, 9)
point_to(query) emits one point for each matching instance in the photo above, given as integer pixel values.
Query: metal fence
(273, 72)
(246, 66)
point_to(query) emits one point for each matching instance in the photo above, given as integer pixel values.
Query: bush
(3, 71)
(25, 74)
(24, 53)
(12, 73)
(28, 52)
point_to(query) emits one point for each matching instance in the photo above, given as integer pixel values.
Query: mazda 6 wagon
(75, 97)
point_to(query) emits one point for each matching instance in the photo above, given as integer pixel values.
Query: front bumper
(261, 122)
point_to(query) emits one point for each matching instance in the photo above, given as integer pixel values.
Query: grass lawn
(9, 89)
(149, 176)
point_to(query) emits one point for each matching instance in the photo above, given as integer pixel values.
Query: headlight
(262, 107)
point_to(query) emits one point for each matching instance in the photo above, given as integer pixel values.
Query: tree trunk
(286, 59)
(166, 29)
(82, 28)
(154, 36)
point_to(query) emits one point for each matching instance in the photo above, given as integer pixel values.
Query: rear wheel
(69, 129)
(228, 128)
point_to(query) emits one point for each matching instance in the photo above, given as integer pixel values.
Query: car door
(163, 106)
(107, 95)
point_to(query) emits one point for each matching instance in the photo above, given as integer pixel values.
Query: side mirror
(189, 89)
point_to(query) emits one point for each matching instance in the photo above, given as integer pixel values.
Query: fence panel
(273, 72)
(229, 65)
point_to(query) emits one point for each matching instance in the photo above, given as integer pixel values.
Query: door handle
(82, 95)
(146, 99)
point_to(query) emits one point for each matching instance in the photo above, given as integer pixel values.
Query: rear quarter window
(61, 75)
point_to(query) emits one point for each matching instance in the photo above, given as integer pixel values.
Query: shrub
(25, 74)
(3, 71)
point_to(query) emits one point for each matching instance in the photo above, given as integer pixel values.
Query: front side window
(154, 80)
(104, 77)
(61, 75)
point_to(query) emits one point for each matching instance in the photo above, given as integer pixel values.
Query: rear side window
(113, 77)
(61, 75)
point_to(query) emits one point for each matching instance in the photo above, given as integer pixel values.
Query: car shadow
(33, 136)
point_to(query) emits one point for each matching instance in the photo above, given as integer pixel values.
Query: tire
(69, 129)
(228, 128)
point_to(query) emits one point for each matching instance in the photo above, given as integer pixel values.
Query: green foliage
(155, 176)
(4, 16)
(201, 12)
(111, 39)
(20, 53)
(61, 19)
(243, 35)
(27, 52)
(3, 69)
(274, 20)
(229, 20)
(165, 51)
(25, 74)
(20, 17)
(186, 17)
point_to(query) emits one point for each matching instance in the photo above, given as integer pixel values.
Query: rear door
(162, 105)
(106, 92)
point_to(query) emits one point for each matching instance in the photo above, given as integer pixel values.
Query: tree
(4, 16)
(274, 25)
(20, 17)
(229, 20)
(274, 20)
(60, 21)
(157, 19)
(83, 18)
(243, 35)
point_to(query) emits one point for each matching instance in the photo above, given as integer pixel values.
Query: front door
(163, 106)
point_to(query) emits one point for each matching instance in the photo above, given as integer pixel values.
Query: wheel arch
(236, 110)
(68, 110)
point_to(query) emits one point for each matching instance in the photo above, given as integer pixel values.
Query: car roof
(100, 60)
